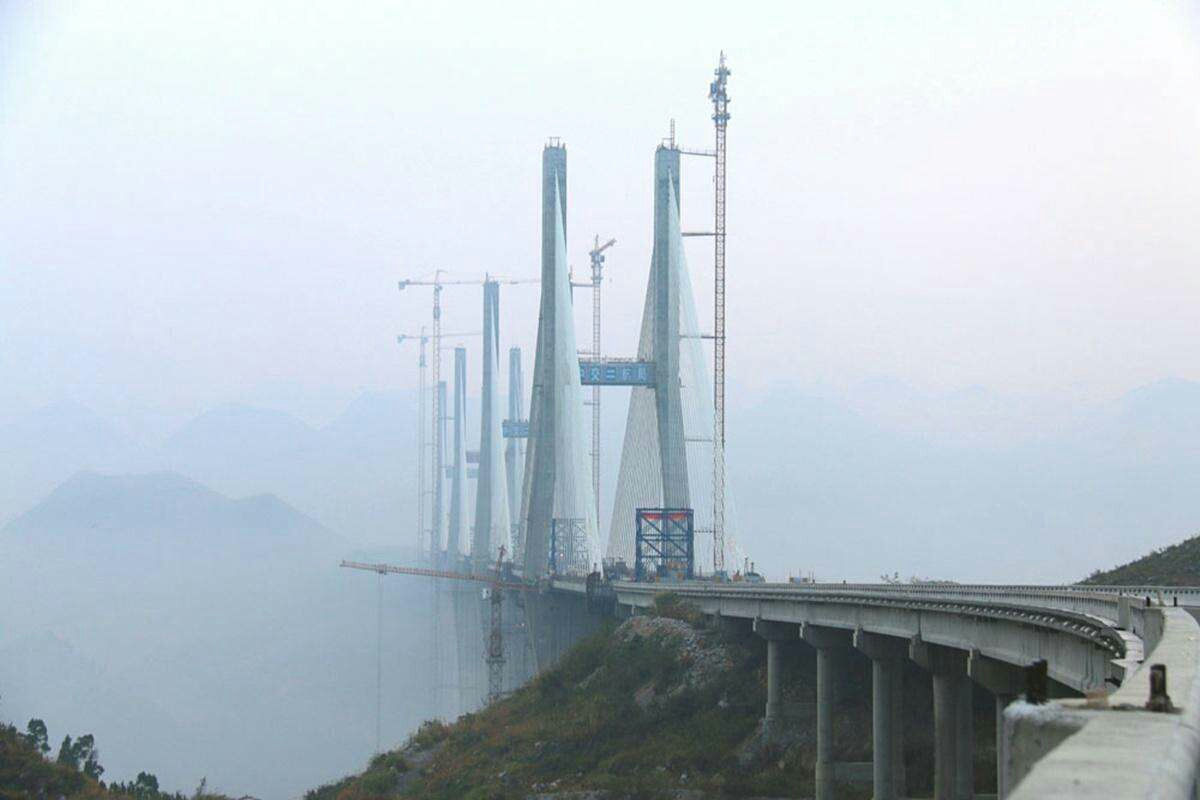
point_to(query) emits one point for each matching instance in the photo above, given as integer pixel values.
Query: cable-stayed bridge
(1096, 689)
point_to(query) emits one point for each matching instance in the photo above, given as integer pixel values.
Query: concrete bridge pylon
(557, 495)
(514, 452)
(457, 536)
(667, 452)
(492, 528)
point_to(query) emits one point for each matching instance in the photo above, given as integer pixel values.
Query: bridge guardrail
(1082, 622)
(1100, 601)
(1122, 749)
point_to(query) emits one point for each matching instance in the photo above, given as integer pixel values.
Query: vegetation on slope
(1177, 565)
(648, 709)
(27, 771)
(616, 713)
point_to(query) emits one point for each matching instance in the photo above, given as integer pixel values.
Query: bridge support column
(831, 644)
(945, 729)
(964, 741)
(1006, 682)
(949, 669)
(776, 633)
(1002, 787)
(899, 774)
(885, 653)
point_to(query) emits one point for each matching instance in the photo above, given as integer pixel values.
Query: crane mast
(495, 650)
(720, 100)
(497, 586)
(597, 257)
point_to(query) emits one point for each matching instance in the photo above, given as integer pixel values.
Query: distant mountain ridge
(350, 474)
(104, 516)
(960, 481)
(236, 432)
(40, 450)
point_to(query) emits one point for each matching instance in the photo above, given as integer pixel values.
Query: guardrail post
(1124, 603)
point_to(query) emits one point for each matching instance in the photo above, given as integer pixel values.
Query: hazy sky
(212, 201)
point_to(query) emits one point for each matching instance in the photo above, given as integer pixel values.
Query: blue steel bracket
(515, 428)
(616, 373)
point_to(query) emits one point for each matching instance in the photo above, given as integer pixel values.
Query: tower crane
(596, 254)
(499, 582)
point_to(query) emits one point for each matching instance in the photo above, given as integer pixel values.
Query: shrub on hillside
(670, 604)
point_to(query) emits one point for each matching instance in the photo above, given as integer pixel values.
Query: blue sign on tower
(616, 373)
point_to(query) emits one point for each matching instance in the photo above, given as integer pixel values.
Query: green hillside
(657, 707)
(1177, 565)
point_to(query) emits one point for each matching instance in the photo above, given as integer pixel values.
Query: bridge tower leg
(464, 601)
(514, 453)
(666, 275)
(537, 496)
(558, 481)
(887, 659)
(456, 537)
(657, 451)
(491, 490)
(831, 647)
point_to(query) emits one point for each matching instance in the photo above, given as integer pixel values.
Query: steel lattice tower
(597, 258)
(720, 101)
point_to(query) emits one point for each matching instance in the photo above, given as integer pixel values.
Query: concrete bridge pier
(953, 740)
(887, 656)
(775, 633)
(1005, 682)
(964, 740)
(831, 645)
(899, 772)
(945, 731)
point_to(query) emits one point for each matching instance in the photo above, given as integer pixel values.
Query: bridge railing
(1119, 605)
(1076, 616)
(1122, 747)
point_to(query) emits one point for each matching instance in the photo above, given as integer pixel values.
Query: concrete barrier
(1119, 748)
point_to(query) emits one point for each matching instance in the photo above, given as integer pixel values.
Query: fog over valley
(961, 289)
